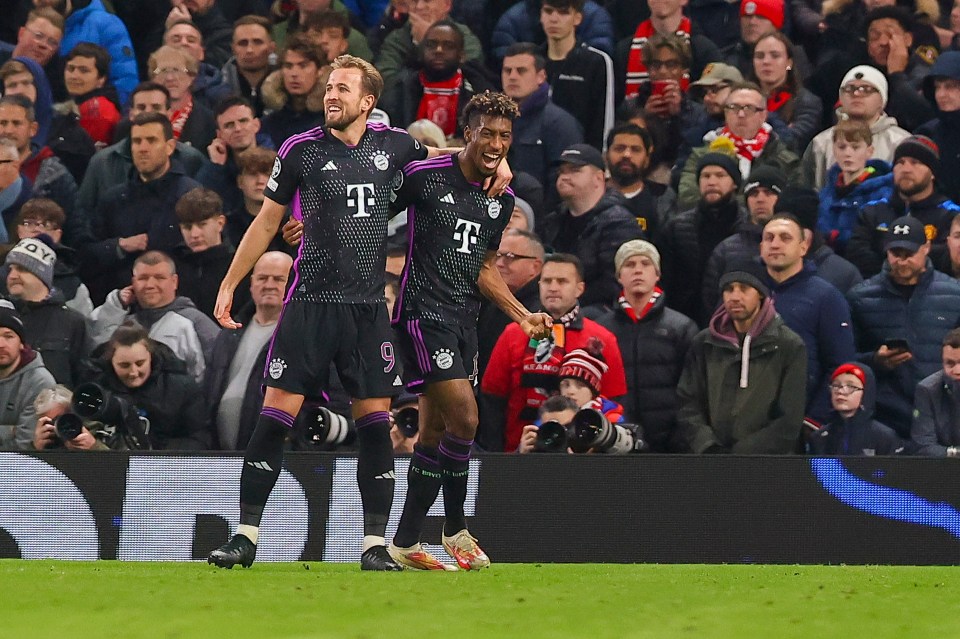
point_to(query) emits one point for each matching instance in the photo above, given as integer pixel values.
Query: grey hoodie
(17, 392)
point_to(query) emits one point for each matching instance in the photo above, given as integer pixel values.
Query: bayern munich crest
(381, 161)
(493, 210)
(275, 370)
(443, 358)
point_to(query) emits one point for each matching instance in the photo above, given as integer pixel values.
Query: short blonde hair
(190, 63)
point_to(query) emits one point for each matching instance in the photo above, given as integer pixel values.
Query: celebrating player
(455, 230)
(337, 179)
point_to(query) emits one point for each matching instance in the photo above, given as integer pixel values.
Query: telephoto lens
(69, 426)
(325, 427)
(551, 438)
(408, 421)
(592, 430)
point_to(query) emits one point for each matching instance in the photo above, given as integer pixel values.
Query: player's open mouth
(491, 159)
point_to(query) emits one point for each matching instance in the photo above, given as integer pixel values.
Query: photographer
(50, 404)
(558, 409)
(146, 374)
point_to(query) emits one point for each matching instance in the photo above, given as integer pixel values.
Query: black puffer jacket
(605, 227)
(170, 399)
(654, 349)
(58, 333)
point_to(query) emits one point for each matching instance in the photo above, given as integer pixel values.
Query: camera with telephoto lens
(121, 419)
(407, 421)
(326, 429)
(589, 430)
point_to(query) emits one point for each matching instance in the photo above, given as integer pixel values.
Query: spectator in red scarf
(439, 85)
(175, 69)
(793, 111)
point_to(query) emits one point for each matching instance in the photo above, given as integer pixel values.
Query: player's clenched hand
(537, 325)
(293, 232)
(221, 309)
(497, 185)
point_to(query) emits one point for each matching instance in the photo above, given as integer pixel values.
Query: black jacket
(945, 131)
(59, 334)
(170, 399)
(865, 248)
(582, 85)
(604, 228)
(654, 349)
(491, 321)
(686, 243)
(200, 274)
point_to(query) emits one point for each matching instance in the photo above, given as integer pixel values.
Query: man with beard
(629, 148)
(916, 163)
(441, 87)
(343, 202)
(254, 57)
(688, 238)
(900, 317)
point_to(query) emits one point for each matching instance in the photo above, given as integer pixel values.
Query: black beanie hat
(725, 162)
(920, 148)
(746, 272)
(9, 318)
(802, 203)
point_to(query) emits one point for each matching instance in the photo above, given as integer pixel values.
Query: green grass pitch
(40, 599)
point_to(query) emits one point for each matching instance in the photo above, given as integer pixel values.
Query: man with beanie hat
(22, 377)
(900, 318)
(761, 192)
(942, 89)
(53, 330)
(591, 222)
(916, 165)
(688, 238)
(746, 136)
(739, 387)
(863, 97)
(653, 341)
(809, 305)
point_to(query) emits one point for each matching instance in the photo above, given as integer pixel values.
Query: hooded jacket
(936, 416)
(880, 310)
(865, 248)
(859, 434)
(94, 24)
(654, 348)
(521, 23)
(18, 418)
(945, 128)
(169, 399)
(283, 121)
(818, 158)
(605, 227)
(741, 394)
(838, 214)
(43, 105)
(179, 325)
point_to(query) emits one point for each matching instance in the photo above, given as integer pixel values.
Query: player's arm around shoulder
(491, 284)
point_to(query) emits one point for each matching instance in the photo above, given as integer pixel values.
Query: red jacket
(516, 356)
(99, 117)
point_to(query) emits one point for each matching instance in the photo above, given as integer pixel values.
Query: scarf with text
(541, 365)
(636, 70)
(439, 102)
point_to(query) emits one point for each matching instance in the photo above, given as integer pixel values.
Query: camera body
(407, 420)
(121, 419)
(590, 430)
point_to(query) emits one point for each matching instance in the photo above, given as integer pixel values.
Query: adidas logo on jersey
(329, 166)
(397, 381)
(448, 199)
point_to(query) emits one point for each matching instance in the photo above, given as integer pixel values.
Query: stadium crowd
(740, 216)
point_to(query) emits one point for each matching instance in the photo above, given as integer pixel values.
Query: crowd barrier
(535, 508)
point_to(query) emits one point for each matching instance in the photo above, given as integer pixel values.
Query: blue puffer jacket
(881, 311)
(521, 23)
(838, 215)
(94, 24)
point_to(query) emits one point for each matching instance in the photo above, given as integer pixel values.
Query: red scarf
(632, 312)
(749, 149)
(439, 102)
(777, 99)
(636, 69)
(180, 117)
